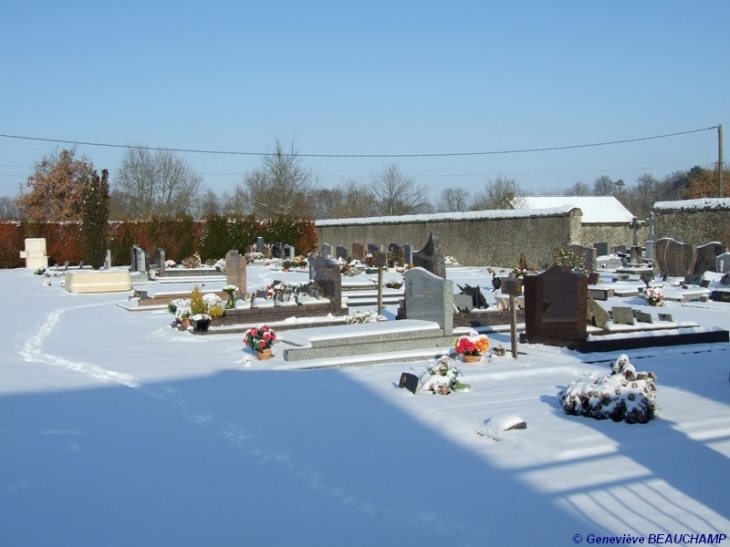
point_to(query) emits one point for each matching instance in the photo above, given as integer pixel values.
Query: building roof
(596, 209)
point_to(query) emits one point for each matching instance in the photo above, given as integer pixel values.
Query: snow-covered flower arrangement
(259, 338)
(277, 290)
(654, 296)
(443, 377)
(180, 308)
(623, 394)
(169, 263)
(364, 317)
(473, 344)
(499, 350)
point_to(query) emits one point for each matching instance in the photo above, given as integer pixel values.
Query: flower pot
(184, 324)
(264, 354)
(201, 325)
(472, 358)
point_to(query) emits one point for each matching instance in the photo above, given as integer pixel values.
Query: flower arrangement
(500, 350)
(654, 295)
(364, 317)
(474, 344)
(443, 377)
(259, 338)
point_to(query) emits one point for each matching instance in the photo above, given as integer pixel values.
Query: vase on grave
(264, 354)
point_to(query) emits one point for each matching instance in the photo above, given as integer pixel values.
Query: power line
(438, 155)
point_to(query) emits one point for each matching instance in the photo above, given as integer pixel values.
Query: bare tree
(207, 203)
(280, 186)
(8, 208)
(501, 193)
(603, 186)
(454, 200)
(56, 187)
(578, 189)
(158, 183)
(397, 194)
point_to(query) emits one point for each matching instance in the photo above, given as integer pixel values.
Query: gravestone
(139, 259)
(358, 251)
(601, 248)
(429, 297)
(722, 263)
(622, 315)
(674, 259)
(373, 248)
(635, 255)
(408, 254)
(556, 305)
(325, 250)
(597, 316)
(430, 257)
(475, 294)
(35, 253)
(236, 270)
(707, 257)
(463, 302)
(289, 252)
(108, 260)
(643, 317)
(666, 317)
(260, 244)
(158, 260)
(341, 252)
(620, 249)
(326, 274)
(588, 254)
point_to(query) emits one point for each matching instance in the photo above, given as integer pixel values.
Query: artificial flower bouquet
(259, 338)
(474, 344)
(654, 296)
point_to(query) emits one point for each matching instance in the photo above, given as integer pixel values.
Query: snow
(701, 203)
(117, 430)
(595, 209)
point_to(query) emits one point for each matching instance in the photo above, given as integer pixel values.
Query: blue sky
(370, 78)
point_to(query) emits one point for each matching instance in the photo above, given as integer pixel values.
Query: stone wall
(695, 221)
(613, 234)
(476, 238)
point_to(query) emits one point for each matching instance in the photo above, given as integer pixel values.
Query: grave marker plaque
(622, 315)
(597, 316)
(666, 317)
(408, 381)
(643, 317)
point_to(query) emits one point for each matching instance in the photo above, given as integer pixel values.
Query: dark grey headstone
(720, 296)
(341, 252)
(408, 254)
(373, 248)
(409, 381)
(622, 249)
(259, 244)
(476, 295)
(666, 317)
(326, 273)
(622, 315)
(556, 305)
(430, 257)
(158, 260)
(601, 248)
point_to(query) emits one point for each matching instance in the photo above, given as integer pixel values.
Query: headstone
(588, 254)
(620, 249)
(556, 305)
(722, 263)
(643, 317)
(358, 251)
(236, 270)
(475, 294)
(326, 274)
(260, 245)
(720, 296)
(325, 250)
(158, 260)
(601, 248)
(430, 257)
(108, 260)
(373, 248)
(707, 257)
(409, 381)
(290, 252)
(597, 316)
(341, 252)
(429, 297)
(35, 253)
(139, 259)
(649, 250)
(666, 317)
(635, 255)
(674, 259)
(622, 315)
(408, 254)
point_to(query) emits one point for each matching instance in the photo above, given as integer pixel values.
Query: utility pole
(719, 156)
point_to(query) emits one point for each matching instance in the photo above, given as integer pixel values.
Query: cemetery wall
(695, 221)
(475, 239)
(614, 234)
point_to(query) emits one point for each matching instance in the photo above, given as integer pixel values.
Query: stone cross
(635, 225)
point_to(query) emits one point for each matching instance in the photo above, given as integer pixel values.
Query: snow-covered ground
(116, 430)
